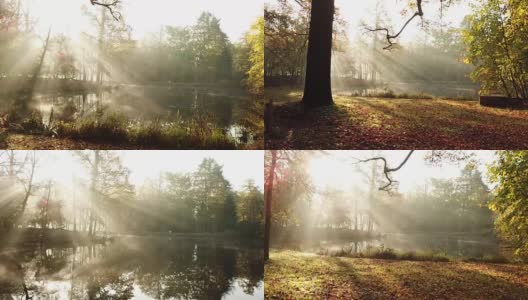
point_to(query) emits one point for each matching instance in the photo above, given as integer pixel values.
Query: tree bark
(269, 199)
(318, 88)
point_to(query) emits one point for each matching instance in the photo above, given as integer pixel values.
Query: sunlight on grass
(377, 123)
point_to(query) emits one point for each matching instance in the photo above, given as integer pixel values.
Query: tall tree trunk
(102, 29)
(38, 68)
(317, 87)
(269, 199)
(356, 218)
(28, 188)
(373, 179)
(95, 174)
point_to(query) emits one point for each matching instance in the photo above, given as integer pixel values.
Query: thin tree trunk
(38, 68)
(102, 29)
(95, 174)
(269, 199)
(317, 87)
(28, 189)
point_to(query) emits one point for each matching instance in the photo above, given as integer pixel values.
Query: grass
(386, 253)
(390, 95)
(111, 130)
(297, 275)
(390, 123)
(382, 252)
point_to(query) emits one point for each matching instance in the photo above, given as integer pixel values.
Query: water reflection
(141, 268)
(230, 109)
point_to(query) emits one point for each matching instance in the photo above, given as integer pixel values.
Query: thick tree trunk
(317, 87)
(269, 199)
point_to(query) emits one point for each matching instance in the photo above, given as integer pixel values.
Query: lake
(456, 245)
(437, 89)
(230, 109)
(135, 268)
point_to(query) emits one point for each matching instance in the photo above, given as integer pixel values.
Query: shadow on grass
(294, 275)
(361, 123)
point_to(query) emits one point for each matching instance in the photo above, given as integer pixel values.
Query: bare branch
(387, 170)
(110, 6)
(390, 37)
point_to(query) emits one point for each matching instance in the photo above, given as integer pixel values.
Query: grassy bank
(109, 131)
(388, 123)
(296, 275)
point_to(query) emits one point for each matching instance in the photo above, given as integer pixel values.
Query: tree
(286, 37)
(179, 210)
(20, 170)
(286, 185)
(110, 189)
(510, 201)
(210, 190)
(255, 40)
(496, 37)
(270, 178)
(318, 87)
(250, 208)
(209, 46)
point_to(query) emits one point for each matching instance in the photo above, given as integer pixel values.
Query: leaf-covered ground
(296, 275)
(39, 142)
(374, 123)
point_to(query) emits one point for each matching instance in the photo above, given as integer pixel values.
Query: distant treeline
(198, 53)
(360, 59)
(202, 201)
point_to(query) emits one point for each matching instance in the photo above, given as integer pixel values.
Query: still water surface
(135, 268)
(229, 109)
(456, 245)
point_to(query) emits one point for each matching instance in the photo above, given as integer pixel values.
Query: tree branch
(390, 37)
(110, 6)
(387, 170)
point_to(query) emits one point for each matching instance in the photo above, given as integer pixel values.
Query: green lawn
(297, 275)
(377, 123)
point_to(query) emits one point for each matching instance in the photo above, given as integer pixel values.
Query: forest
(90, 219)
(386, 74)
(396, 224)
(104, 80)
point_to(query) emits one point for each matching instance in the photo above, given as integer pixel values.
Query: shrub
(3, 139)
(111, 128)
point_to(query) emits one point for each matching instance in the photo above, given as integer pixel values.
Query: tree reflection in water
(134, 267)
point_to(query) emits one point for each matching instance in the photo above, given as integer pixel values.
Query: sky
(148, 16)
(354, 12)
(358, 12)
(337, 169)
(238, 166)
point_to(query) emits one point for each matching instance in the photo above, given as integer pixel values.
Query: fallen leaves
(295, 275)
(373, 123)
